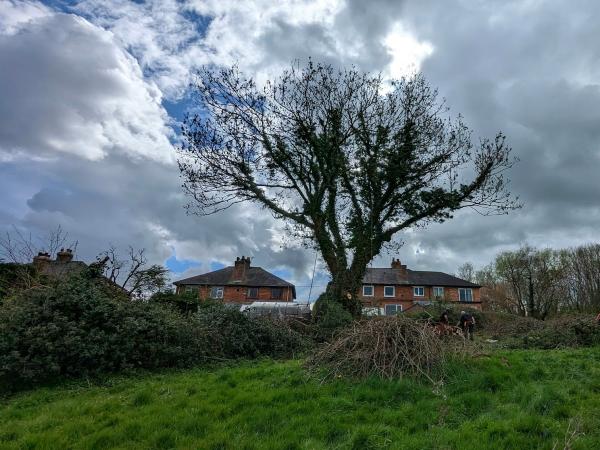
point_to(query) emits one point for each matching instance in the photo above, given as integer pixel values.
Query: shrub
(79, 327)
(560, 332)
(83, 326)
(235, 335)
(434, 311)
(186, 303)
(329, 316)
(501, 325)
(15, 277)
(493, 324)
(385, 347)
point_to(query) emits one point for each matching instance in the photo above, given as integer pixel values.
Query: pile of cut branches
(386, 347)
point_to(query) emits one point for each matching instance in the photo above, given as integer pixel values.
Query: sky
(92, 93)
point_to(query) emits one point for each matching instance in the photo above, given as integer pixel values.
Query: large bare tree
(345, 158)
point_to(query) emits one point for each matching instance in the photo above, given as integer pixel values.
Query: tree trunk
(530, 299)
(346, 283)
(344, 288)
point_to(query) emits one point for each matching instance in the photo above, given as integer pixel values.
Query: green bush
(15, 277)
(235, 335)
(186, 303)
(80, 327)
(433, 312)
(329, 316)
(560, 332)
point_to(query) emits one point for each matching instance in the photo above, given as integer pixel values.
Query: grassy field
(512, 400)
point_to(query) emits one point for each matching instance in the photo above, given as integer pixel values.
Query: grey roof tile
(255, 276)
(390, 276)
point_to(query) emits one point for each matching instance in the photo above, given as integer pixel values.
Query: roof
(59, 269)
(413, 278)
(254, 276)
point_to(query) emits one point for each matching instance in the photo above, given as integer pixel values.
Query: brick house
(240, 283)
(395, 289)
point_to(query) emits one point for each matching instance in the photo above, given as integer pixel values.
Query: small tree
(133, 273)
(345, 160)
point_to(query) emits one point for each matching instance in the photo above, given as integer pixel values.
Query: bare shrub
(387, 347)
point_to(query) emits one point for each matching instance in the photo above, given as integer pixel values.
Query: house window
(276, 293)
(465, 295)
(216, 292)
(367, 291)
(419, 291)
(389, 291)
(191, 289)
(438, 292)
(392, 310)
(252, 293)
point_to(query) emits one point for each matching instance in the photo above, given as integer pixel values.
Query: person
(444, 319)
(467, 324)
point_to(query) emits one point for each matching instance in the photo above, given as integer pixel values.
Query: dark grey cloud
(531, 70)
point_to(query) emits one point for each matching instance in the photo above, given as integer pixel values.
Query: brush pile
(386, 347)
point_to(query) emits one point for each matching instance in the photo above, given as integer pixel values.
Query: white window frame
(398, 308)
(415, 291)
(465, 290)
(372, 290)
(393, 291)
(190, 288)
(248, 293)
(438, 289)
(218, 290)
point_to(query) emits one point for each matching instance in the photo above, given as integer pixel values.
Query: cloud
(501, 67)
(68, 90)
(15, 14)
(85, 144)
(85, 140)
(172, 39)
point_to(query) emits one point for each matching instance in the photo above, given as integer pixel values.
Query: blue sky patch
(180, 265)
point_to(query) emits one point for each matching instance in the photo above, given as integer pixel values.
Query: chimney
(41, 261)
(64, 256)
(240, 268)
(396, 264)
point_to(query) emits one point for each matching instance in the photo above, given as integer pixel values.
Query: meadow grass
(509, 399)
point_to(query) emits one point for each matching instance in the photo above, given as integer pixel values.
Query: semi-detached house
(240, 283)
(396, 289)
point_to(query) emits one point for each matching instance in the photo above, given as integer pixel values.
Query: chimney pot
(41, 261)
(64, 256)
(240, 268)
(397, 264)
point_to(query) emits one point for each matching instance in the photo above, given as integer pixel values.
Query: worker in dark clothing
(467, 324)
(444, 318)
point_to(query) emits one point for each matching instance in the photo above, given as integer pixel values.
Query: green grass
(512, 400)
